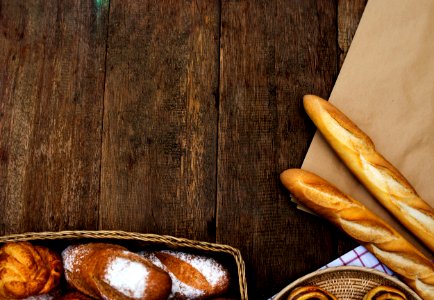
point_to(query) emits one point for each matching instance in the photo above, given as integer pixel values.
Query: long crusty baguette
(382, 179)
(356, 220)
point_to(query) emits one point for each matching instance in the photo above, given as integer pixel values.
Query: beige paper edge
(386, 86)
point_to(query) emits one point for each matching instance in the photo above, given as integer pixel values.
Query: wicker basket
(139, 241)
(348, 282)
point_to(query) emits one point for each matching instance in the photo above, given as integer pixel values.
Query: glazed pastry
(351, 216)
(382, 179)
(310, 292)
(112, 272)
(27, 270)
(384, 293)
(193, 276)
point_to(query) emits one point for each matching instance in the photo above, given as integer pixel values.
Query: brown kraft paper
(386, 86)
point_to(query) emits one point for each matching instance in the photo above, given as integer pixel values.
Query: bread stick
(356, 220)
(379, 176)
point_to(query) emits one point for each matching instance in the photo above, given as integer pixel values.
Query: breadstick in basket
(356, 220)
(380, 177)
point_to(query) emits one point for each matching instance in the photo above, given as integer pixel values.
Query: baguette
(356, 220)
(379, 176)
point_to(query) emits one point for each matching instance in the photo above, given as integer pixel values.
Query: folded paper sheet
(386, 86)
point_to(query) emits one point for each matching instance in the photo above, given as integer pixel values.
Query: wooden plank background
(171, 117)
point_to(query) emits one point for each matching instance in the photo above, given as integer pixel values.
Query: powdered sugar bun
(193, 276)
(112, 272)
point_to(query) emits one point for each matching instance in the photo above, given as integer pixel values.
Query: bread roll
(383, 292)
(356, 220)
(193, 276)
(27, 270)
(382, 179)
(310, 292)
(111, 272)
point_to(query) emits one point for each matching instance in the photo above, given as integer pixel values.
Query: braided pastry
(310, 292)
(27, 270)
(383, 292)
(355, 219)
(382, 179)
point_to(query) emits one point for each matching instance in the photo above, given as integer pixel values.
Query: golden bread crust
(310, 292)
(99, 271)
(384, 292)
(27, 270)
(379, 176)
(356, 220)
(193, 276)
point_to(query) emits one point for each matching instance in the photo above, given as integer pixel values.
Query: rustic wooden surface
(171, 117)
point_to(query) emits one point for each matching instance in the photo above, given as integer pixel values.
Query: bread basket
(348, 282)
(140, 241)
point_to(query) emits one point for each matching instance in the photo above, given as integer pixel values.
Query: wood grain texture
(349, 14)
(170, 117)
(160, 118)
(51, 87)
(272, 53)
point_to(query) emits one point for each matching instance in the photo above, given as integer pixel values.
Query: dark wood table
(169, 117)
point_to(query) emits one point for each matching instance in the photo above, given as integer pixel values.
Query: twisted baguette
(381, 178)
(356, 220)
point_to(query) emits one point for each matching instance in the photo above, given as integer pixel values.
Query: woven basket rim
(114, 234)
(319, 272)
(145, 237)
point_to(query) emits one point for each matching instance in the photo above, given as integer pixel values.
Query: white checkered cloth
(359, 256)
